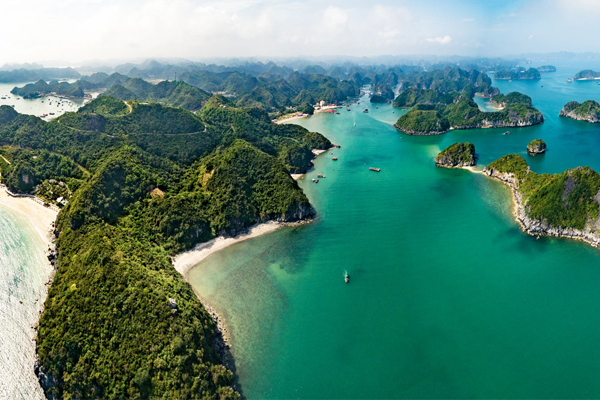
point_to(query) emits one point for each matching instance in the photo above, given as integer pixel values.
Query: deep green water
(447, 299)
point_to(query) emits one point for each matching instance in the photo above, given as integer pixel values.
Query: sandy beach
(473, 169)
(187, 260)
(42, 218)
(288, 119)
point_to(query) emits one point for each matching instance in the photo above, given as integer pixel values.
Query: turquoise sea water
(23, 271)
(447, 298)
(42, 105)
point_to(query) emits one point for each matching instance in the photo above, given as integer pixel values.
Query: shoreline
(517, 209)
(472, 169)
(316, 153)
(42, 218)
(184, 262)
(295, 117)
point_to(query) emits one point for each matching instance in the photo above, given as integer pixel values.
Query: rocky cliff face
(458, 155)
(420, 133)
(507, 178)
(514, 121)
(574, 110)
(489, 92)
(536, 147)
(537, 227)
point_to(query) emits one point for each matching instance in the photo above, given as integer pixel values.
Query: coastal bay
(448, 297)
(25, 236)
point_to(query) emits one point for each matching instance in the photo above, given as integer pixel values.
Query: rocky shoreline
(419, 133)
(458, 155)
(485, 124)
(571, 110)
(222, 340)
(47, 381)
(513, 123)
(536, 227)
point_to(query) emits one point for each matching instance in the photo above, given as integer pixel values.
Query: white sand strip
(39, 216)
(187, 260)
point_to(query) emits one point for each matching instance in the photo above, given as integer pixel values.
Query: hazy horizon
(81, 31)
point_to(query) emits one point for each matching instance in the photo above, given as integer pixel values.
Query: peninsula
(140, 183)
(587, 111)
(564, 205)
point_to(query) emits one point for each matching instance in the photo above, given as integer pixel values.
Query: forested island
(587, 111)
(376, 98)
(457, 155)
(144, 182)
(519, 73)
(447, 103)
(511, 99)
(536, 146)
(565, 204)
(586, 75)
(41, 88)
(547, 68)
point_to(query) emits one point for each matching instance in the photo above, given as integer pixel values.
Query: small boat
(355, 124)
(377, 107)
(315, 180)
(366, 110)
(569, 80)
(347, 109)
(334, 158)
(346, 277)
(374, 169)
(507, 133)
(320, 176)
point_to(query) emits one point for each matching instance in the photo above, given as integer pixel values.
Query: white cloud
(334, 18)
(441, 40)
(76, 30)
(530, 37)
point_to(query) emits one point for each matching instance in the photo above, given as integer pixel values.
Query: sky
(76, 31)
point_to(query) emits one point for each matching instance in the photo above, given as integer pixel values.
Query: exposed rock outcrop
(538, 227)
(537, 146)
(457, 155)
(587, 111)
